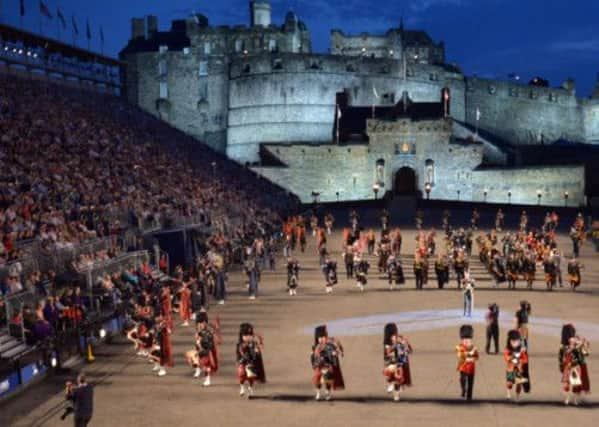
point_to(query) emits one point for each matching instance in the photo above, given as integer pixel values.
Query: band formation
(518, 257)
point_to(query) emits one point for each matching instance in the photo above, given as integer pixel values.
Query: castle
(382, 112)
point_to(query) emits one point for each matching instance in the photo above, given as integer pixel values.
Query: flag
(88, 32)
(477, 114)
(376, 95)
(22, 7)
(74, 23)
(44, 10)
(60, 17)
(101, 34)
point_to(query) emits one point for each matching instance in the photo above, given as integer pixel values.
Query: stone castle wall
(522, 114)
(291, 98)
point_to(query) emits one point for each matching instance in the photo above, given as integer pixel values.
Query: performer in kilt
(574, 277)
(395, 273)
(512, 267)
(325, 363)
(529, 267)
(396, 352)
(442, 270)
(572, 356)
(162, 350)
(467, 355)
(292, 275)
(250, 367)
(516, 358)
(361, 267)
(204, 358)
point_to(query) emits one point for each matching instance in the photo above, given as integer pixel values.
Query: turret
(260, 13)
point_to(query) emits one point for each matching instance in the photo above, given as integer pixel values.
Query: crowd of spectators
(76, 166)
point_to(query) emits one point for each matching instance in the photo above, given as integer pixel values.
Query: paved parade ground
(129, 394)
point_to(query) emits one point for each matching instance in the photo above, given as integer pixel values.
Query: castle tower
(260, 13)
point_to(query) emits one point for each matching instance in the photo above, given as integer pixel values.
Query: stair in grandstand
(10, 347)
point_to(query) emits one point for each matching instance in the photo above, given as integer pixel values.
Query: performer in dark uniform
(512, 267)
(467, 355)
(492, 320)
(550, 272)
(459, 266)
(419, 272)
(361, 266)
(529, 268)
(292, 275)
(325, 363)
(348, 259)
(250, 367)
(516, 358)
(329, 269)
(521, 321)
(395, 272)
(442, 270)
(396, 351)
(205, 355)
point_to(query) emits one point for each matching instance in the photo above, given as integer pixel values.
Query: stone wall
(590, 113)
(525, 183)
(291, 98)
(522, 114)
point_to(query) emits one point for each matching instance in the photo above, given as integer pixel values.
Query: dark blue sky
(490, 38)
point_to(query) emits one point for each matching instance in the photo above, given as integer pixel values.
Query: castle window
(277, 64)
(552, 97)
(238, 46)
(513, 91)
(379, 174)
(246, 68)
(162, 68)
(186, 51)
(162, 48)
(492, 89)
(315, 65)
(203, 68)
(350, 68)
(272, 45)
(429, 171)
(163, 90)
(389, 97)
(207, 48)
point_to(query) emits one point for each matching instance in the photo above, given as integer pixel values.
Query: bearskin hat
(390, 330)
(320, 331)
(514, 334)
(466, 331)
(202, 317)
(568, 331)
(245, 329)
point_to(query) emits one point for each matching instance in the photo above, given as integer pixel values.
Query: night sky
(555, 39)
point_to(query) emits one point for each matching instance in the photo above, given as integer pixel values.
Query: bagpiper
(329, 269)
(204, 358)
(572, 356)
(396, 357)
(292, 275)
(361, 266)
(574, 273)
(419, 267)
(467, 355)
(395, 273)
(516, 358)
(325, 363)
(250, 367)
